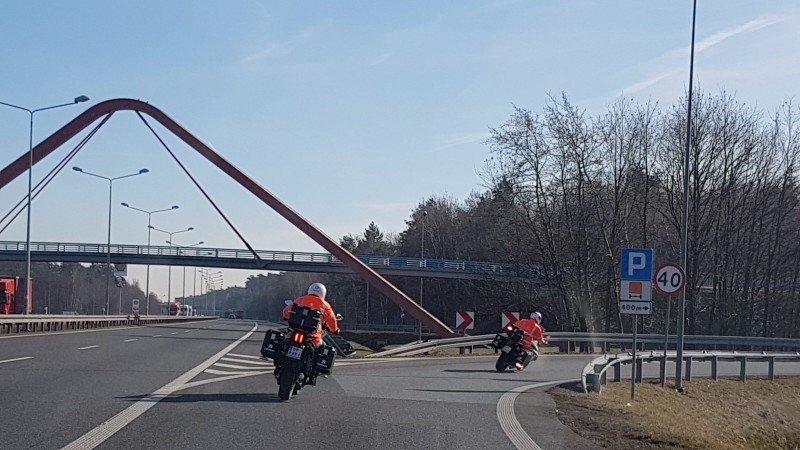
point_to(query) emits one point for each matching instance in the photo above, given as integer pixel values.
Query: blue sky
(350, 112)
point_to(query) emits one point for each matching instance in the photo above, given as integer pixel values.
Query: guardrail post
(714, 360)
(593, 382)
(662, 370)
(688, 364)
(639, 362)
(617, 373)
(771, 368)
(743, 369)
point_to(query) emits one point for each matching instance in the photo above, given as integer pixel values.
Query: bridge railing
(392, 262)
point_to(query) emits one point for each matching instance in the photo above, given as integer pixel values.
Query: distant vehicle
(174, 308)
(234, 314)
(186, 310)
(12, 295)
(231, 316)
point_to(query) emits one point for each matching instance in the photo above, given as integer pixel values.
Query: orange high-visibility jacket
(316, 303)
(532, 331)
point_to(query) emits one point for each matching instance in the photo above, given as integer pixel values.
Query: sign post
(635, 293)
(669, 280)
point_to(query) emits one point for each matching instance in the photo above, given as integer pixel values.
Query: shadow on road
(470, 370)
(195, 398)
(476, 391)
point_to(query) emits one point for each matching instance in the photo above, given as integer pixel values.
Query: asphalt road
(202, 386)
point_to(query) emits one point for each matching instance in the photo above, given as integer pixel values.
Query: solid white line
(107, 429)
(87, 348)
(508, 421)
(130, 340)
(244, 361)
(17, 359)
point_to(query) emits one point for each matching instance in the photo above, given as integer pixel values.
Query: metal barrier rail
(592, 339)
(594, 375)
(31, 323)
(391, 262)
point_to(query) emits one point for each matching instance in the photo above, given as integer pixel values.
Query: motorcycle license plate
(506, 349)
(295, 352)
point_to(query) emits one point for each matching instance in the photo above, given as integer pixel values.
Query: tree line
(566, 191)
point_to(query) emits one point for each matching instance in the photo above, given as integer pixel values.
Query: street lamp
(169, 277)
(110, 187)
(184, 267)
(149, 214)
(422, 256)
(79, 99)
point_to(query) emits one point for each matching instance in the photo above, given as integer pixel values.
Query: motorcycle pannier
(325, 358)
(273, 341)
(304, 318)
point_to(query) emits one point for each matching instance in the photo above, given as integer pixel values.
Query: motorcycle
(298, 361)
(512, 354)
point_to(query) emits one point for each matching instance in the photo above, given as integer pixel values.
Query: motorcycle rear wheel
(288, 378)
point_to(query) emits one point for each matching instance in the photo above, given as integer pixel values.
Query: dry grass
(726, 414)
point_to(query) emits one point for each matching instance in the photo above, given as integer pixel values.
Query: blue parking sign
(636, 264)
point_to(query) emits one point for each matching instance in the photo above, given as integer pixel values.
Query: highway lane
(72, 382)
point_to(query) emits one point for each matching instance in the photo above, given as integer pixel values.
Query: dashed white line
(174, 333)
(130, 340)
(234, 366)
(16, 359)
(245, 361)
(87, 348)
(157, 335)
(243, 356)
(187, 331)
(222, 372)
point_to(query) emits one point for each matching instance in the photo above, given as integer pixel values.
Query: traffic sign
(465, 320)
(635, 291)
(135, 307)
(636, 264)
(669, 279)
(635, 307)
(509, 317)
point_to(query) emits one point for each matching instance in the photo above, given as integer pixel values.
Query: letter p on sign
(636, 264)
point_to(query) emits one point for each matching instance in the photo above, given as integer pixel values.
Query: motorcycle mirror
(339, 317)
(288, 302)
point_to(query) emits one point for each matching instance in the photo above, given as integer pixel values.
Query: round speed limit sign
(669, 279)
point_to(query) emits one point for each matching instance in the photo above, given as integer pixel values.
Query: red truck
(12, 296)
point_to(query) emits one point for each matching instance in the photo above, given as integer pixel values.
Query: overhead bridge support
(99, 110)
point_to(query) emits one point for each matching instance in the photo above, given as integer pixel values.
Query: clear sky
(349, 111)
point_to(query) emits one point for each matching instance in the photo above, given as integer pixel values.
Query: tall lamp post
(149, 214)
(184, 267)
(422, 256)
(169, 277)
(110, 188)
(31, 112)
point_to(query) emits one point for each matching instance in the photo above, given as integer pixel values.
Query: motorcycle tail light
(519, 365)
(510, 327)
(298, 338)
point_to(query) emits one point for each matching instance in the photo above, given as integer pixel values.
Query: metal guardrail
(594, 374)
(32, 323)
(603, 339)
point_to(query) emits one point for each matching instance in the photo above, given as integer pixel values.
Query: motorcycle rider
(533, 332)
(315, 299)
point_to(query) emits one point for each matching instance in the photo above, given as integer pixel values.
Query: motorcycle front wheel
(287, 380)
(502, 363)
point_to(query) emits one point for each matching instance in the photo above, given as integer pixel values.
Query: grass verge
(724, 414)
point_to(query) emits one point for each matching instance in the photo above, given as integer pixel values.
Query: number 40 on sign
(669, 279)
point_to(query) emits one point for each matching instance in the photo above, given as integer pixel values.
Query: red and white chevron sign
(509, 317)
(465, 320)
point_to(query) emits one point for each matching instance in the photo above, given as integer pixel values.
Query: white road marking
(233, 366)
(508, 421)
(243, 361)
(17, 359)
(157, 335)
(107, 429)
(187, 331)
(130, 340)
(237, 355)
(222, 372)
(174, 333)
(87, 348)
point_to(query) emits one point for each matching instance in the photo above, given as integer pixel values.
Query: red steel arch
(99, 110)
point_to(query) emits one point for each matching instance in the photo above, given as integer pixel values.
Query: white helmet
(317, 289)
(537, 316)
